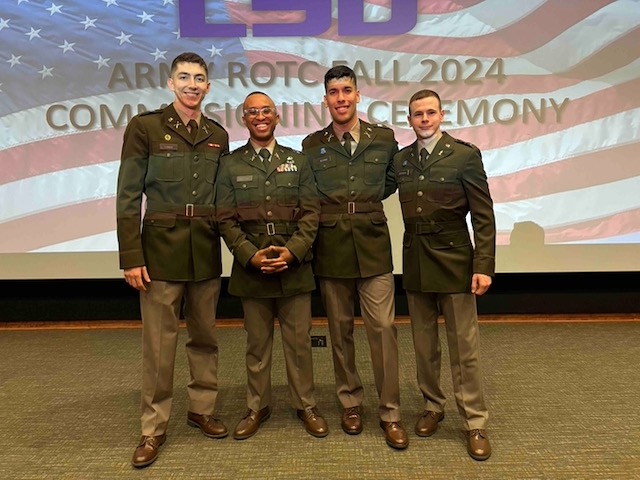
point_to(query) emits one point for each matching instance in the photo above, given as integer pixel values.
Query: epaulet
(468, 144)
(233, 152)
(213, 121)
(381, 125)
(311, 135)
(287, 148)
(149, 112)
(404, 149)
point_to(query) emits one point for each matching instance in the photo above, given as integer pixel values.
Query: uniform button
(288, 184)
(420, 193)
(353, 192)
(168, 155)
(451, 244)
(267, 183)
(350, 164)
(442, 179)
(419, 210)
(269, 213)
(375, 160)
(194, 193)
(268, 198)
(244, 185)
(195, 175)
(421, 177)
(196, 158)
(352, 178)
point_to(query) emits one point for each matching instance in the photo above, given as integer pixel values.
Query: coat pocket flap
(443, 241)
(377, 218)
(162, 221)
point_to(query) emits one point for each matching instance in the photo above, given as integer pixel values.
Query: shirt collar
(271, 147)
(429, 144)
(354, 131)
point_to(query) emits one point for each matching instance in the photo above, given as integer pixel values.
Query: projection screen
(548, 89)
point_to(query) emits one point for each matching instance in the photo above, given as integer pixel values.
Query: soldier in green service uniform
(351, 162)
(440, 180)
(267, 208)
(171, 157)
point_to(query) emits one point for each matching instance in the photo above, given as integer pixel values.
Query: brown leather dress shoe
(478, 445)
(147, 450)
(352, 420)
(249, 425)
(427, 424)
(208, 425)
(395, 434)
(313, 422)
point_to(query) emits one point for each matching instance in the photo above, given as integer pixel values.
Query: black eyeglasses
(254, 112)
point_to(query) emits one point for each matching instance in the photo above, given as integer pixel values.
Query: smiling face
(260, 117)
(425, 117)
(341, 98)
(190, 85)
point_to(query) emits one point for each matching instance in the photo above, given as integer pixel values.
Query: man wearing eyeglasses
(267, 210)
(351, 162)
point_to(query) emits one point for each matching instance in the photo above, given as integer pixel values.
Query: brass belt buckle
(188, 210)
(351, 207)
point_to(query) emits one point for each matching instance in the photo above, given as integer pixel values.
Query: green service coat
(259, 205)
(437, 252)
(356, 244)
(179, 239)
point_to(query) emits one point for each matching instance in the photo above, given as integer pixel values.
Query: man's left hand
(480, 283)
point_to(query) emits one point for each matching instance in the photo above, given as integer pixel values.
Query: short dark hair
(189, 57)
(420, 94)
(339, 71)
(258, 92)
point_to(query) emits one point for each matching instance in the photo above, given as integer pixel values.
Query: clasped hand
(272, 259)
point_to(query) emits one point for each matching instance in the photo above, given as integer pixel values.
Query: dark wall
(532, 293)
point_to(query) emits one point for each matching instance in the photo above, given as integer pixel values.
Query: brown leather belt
(188, 210)
(270, 228)
(422, 228)
(352, 207)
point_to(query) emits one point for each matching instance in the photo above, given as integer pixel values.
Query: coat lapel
(412, 156)
(276, 159)
(367, 135)
(173, 122)
(330, 139)
(442, 150)
(250, 157)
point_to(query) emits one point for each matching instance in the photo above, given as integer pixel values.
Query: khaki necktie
(193, 129)
(424, 156)
(264, 154)
(347, 142)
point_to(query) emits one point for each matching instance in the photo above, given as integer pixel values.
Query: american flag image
(549, 90)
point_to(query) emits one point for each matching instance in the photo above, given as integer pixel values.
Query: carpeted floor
(563, 399)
